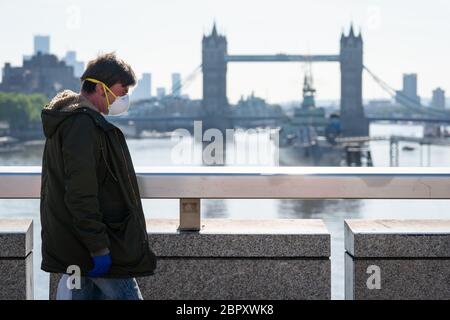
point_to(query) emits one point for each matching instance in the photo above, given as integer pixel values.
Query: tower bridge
(216, 112)
(215, 59)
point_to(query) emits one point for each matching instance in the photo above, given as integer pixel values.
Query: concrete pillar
(397, 259)
(238, 259)
(16, 259)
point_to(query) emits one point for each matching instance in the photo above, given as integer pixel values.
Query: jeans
(99, 289)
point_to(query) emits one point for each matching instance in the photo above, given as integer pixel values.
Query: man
(91, 211)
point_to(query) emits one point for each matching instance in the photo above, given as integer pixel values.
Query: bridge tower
(353, 119)
(214, 67)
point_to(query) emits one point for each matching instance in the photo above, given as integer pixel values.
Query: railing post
(189, 214)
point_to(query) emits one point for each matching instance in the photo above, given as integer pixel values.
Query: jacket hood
(65, 104)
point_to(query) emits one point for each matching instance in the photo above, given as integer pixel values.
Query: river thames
(159, 152)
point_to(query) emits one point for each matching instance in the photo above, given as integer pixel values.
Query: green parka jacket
(89, 193)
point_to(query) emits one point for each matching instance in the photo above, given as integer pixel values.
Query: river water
(159, 152)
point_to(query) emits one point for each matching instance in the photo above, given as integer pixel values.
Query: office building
(41, 44)
(143, 88)
(438, 99)
(176, 84)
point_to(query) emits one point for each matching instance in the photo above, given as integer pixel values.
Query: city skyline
(148, 27)
(143, 88)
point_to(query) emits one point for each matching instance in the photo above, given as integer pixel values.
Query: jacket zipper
(126, 167)
(106, 162)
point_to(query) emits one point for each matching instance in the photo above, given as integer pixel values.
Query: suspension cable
(392, 92)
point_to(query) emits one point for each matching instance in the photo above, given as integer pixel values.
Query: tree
(20, 110)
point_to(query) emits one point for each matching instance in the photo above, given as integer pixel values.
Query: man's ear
(99, 89)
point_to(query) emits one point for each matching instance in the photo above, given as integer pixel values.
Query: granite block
(54, 280)
(16, 278)
(237, 259)
(410, 257)
(398, 238)
(241, 238)
(240, 279)
(16, 238)
(16, 259)
(400, 279)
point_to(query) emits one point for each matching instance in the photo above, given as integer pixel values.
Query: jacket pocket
(126, 242)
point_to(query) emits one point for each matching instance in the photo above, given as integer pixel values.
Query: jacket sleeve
(80, 151)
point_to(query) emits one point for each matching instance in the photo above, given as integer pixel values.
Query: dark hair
(110, 70)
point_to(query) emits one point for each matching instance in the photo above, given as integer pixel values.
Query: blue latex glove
(101, 266)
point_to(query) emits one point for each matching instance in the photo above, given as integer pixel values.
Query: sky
(164, 36)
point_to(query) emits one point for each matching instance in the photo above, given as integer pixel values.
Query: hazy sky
(164, 36)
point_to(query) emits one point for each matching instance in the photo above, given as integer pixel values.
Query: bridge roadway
(261, 118)
(281, 57)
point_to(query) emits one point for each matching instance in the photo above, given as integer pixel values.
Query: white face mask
(120, 105)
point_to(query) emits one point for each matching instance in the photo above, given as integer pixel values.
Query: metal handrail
(190, 184)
